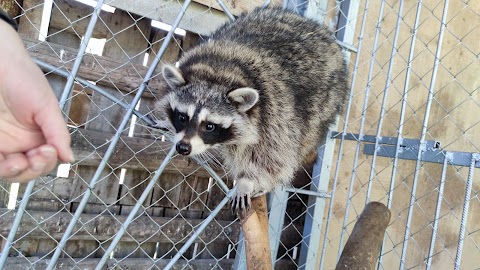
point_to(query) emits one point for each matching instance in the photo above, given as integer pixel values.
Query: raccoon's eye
(209, 127)
(182, 119)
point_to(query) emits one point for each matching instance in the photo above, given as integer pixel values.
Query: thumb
(55, 131)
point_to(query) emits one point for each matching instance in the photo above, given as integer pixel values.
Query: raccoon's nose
(184, 148)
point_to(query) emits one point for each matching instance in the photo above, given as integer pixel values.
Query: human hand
(33, 134)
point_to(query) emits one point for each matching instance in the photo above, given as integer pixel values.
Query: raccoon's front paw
(241, 200)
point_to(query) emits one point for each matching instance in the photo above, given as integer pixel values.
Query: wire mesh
(129, 202)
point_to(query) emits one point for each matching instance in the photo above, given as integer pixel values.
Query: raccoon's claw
(240, 203)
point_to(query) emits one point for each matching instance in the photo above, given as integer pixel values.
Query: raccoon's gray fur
(264, 89)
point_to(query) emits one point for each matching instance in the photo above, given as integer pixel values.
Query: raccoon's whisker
(217, 162)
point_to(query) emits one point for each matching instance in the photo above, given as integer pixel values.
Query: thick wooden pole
(255, 230)
(363, 246)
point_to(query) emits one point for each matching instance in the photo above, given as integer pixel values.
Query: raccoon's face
(205, 116)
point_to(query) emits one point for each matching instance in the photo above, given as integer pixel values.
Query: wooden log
(255, 230)
(52, 225)
(363, 246)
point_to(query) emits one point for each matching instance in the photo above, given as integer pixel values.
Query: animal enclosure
(407, 138)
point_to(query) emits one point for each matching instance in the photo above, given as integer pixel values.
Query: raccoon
(263, 89)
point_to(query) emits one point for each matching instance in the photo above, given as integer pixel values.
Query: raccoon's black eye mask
(179, 119)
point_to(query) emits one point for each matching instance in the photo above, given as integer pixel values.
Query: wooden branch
(103, 70)
(42, 224)
(363, 246)
(255, 230)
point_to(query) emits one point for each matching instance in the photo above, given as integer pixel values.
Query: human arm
(33, 134)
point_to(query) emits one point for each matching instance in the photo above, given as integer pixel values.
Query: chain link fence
(406, 139)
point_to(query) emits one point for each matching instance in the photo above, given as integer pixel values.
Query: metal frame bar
(115, 139)
(345, 127)
(312, 229)
(200, 229)
(437, 212)
(226, 10)
(78, 60)
(400, 139)
(362, 125)
(424, 131)
(16, 223)
(466, 205)
(278, 207)
(404, 142)
(384, 101)
(135, 209)
(428, 154)
(240, 262)
(57, 70)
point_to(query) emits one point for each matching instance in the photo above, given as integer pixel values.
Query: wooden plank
(42, 224)
(131, 152)
(127, 40)
(73, 17)
(237, 7)
(215, 195)
(198, 18)
(104, 71)
(105, 192)
(167, 193)
(132, 188)
(198, 200)
(29, 24)
(87, 264)
(63, 38)
(104, 114)
(135, 250)
(141, 130)
(190, 40)
(172, 52)
(79, 107)
(4, 193)
(50, 188)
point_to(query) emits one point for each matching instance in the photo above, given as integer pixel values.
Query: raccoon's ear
(172, 76)
(243, 98)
